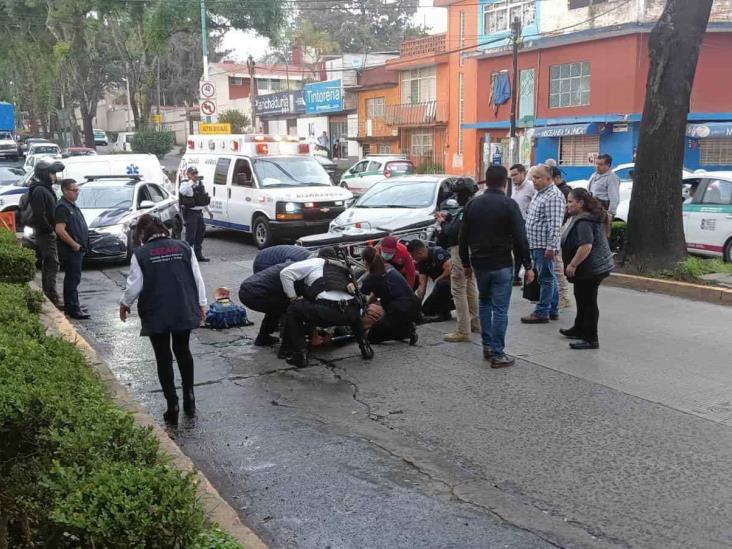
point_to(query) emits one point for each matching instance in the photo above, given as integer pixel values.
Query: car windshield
(6, 136)
(295, 171)
(44, 149)
(420, 194)
(105, 197)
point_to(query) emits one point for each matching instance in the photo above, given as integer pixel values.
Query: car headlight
(114, 230)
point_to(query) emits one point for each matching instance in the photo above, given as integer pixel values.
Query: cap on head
(192, 169)
(555, 172)
(46, 166)
(389, 245)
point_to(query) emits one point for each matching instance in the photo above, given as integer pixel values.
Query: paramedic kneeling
(329, 301)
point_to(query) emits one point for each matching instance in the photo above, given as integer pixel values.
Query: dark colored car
(329, 166)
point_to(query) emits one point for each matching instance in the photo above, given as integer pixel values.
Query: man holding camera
(194, 200)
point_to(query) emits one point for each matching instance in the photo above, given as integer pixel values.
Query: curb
(695, 292)
(215, 507)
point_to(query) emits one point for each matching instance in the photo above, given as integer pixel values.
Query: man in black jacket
(73, 235)
(42, 200)
(492, 228)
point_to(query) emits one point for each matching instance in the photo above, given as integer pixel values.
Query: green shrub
(215, 538)
(692, 269)
(120, 505)
(17, 264)
(152, 141)
(617, 236)
(238, 120)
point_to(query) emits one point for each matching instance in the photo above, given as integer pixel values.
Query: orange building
(421, 115)
(378, 90)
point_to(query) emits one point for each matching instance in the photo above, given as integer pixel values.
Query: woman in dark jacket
(401, 307)
(164, 275)
(588, 259)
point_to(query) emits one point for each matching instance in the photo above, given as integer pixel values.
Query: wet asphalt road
(427, 447)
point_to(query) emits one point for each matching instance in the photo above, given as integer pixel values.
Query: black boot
(299, 359)
(171, 414)
(265, 340)
(189, 402)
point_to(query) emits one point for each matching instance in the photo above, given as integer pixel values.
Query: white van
(124, 142)
(145, 165)
(269, 186)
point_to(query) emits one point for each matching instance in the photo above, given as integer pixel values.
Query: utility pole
(204, 40)
(513, 142)
(251, 65)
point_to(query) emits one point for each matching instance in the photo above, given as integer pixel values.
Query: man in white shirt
(522, 191)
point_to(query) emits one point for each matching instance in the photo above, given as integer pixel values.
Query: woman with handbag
(588, 259)
(164, 275)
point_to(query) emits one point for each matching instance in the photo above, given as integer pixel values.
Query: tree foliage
(238, 120)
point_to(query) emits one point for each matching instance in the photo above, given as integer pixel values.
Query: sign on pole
(208, 108)
(207, 89)
(219, 129)
(156, 118)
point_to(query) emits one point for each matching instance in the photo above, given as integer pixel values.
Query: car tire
(262, 232)
(727, 254)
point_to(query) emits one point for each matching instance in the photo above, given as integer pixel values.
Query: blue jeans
(549, 296)
(494, 292)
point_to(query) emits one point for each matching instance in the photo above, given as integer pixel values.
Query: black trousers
(588, 313)
(164, 358)
(72, 277)
(398, 321)
(303, 316)
(48, 252)
(273, 307)
(195, 229)
(439, 302)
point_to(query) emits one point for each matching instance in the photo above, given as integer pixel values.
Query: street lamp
(251, 65)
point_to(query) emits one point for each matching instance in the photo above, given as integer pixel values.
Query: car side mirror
(147, 204)
(451, 203)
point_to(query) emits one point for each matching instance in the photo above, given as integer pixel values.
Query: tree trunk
(655, 236)
(87, 122)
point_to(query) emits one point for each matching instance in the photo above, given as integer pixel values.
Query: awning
(567, 131)
(710, 129)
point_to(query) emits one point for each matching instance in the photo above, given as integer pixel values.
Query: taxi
(708, 214)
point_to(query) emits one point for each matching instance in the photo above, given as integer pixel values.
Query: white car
(100, 138)
(372, 169)
(39, 150)
(124, 142)
(403, 206)
(8, 146)
(708, 214)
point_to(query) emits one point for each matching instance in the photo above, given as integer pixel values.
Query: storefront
(278, 112)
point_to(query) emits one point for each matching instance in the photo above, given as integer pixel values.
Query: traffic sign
(208, 108)
(217, 129)
(208, 90)
(156, 118)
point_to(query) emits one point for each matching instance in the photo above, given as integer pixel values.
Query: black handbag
(532, 291)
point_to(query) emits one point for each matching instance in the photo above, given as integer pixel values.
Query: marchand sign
(273, 103)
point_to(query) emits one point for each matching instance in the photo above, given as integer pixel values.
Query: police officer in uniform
(73, 235)
(194, 200)
(329, 300)
(164, 275)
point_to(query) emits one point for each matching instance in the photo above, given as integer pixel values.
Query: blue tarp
(501, 89)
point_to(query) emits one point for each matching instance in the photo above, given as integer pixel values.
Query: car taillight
(303, 148)
(387, 173)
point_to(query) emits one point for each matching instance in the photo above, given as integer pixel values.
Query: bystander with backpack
(37, 210)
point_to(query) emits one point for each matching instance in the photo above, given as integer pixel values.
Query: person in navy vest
(73, 238)
(164, 275)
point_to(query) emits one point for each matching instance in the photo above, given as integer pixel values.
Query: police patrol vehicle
(267, 185)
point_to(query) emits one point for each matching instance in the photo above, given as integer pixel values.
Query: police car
(111, 205)
(267, 185)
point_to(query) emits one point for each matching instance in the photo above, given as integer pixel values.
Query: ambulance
(266, 185)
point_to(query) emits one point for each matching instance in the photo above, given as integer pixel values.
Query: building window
(262, 85)
(421, 143)
(375, 107)
(461, 40)
(236, 81)
(578, 150)
(275, 85)
(497, 16)
(526, 94)
(715, 152)
(461, 111)
(569, 85)
(384, 148)
(366, 149)
(419, 85)
(574, 4)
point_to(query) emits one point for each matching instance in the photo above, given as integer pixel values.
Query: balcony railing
(375, 127)
(429, 45)
(429, 113)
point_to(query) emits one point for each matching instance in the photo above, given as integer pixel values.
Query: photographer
(464, 290)
(193, 200)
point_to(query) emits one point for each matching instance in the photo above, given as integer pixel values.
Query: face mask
(387, 256)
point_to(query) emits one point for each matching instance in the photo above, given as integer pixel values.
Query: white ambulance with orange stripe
(267, 185)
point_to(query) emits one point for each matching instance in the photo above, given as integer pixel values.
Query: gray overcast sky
(244, 43)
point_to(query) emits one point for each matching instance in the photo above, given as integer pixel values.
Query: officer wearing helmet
(463, 289)
(42, 200)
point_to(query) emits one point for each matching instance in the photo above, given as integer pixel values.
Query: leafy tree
(153, 141)
(655, 235)
(238, 120)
